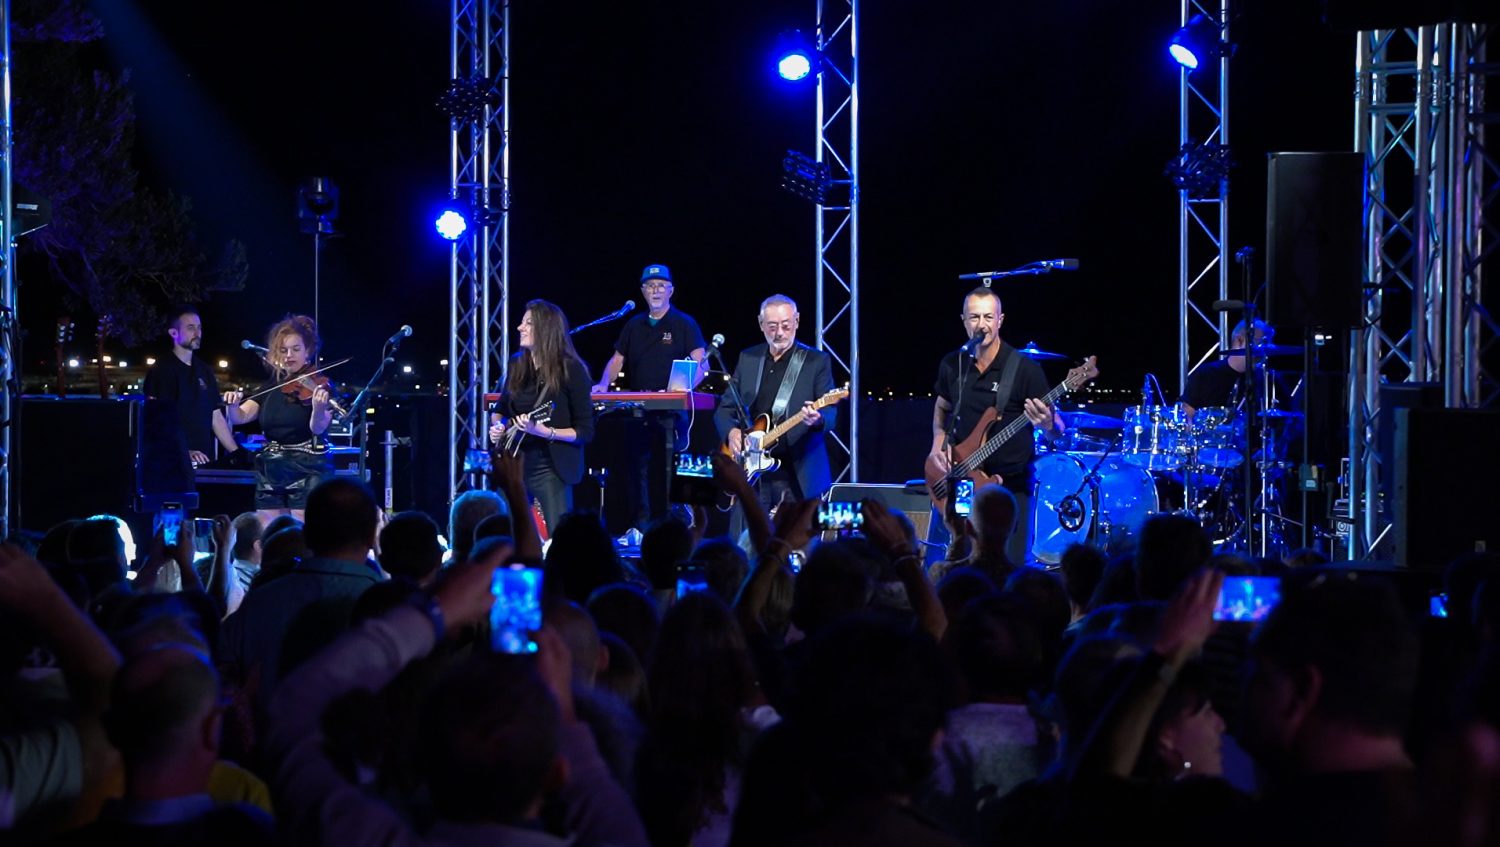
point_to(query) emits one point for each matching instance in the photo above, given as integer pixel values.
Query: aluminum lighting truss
(1404, 127)
(837, 228)
(479, 173)
(1476, 202)
(1203, 223)
(7, 275)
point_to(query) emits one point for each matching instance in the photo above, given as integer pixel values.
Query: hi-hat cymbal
(1087, 420)
(1265, 350)
(1277, 413)
(1031, 351)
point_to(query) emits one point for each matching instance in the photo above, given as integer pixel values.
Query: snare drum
(1219, 433)
(1110, 512)
(1152, 435)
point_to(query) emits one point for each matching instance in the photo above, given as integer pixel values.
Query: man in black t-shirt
(187, 384)
(647, 346)
(1218, 383)
(969, 382)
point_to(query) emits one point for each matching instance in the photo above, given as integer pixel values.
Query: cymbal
(1277, 413)
(1031, 351)
(1265, 350)
(1087, 420)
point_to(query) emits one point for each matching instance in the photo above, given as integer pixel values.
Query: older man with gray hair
(772, 383)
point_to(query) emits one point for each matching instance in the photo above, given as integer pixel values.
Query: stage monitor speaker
(1393, 398)
(1314, 244)
(1446, 499)
(914, 505)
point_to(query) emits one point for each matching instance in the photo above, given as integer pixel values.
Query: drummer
(1221, 383)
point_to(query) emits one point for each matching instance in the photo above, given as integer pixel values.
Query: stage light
(1198, 42)
(805, 177)
(451, 224)
(73, 363)
(1201, 170)
(795, 56)
(406, 369)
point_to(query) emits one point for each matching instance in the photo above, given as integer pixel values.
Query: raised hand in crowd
(510, 473)
(889, 534)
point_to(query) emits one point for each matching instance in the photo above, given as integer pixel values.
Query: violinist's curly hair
(300, 325)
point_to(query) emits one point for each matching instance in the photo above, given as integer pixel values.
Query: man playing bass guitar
(989, 374)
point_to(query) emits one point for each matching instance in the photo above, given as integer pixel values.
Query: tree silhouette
(124, 249)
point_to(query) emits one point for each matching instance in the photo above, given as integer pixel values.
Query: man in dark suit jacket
(758, 380)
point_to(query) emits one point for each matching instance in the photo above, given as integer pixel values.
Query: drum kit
(1108, 474)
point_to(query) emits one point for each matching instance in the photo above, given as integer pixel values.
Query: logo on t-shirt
(666, 338)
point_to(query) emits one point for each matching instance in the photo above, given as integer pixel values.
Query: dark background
(991, 135)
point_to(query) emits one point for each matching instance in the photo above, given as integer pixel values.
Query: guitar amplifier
(894, 496)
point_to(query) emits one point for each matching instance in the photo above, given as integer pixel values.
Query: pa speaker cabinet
(1314, 203)
(1446, 499)
(914, 505)
(76, 458)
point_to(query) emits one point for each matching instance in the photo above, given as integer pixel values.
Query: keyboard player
(645, 350)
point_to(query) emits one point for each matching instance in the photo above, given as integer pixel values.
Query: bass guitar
(754, 456)
(967, 458)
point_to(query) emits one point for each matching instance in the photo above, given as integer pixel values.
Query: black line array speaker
(1446, 498)
(1314, 208)
(914, 504)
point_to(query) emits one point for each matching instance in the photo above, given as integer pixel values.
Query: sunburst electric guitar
(967, 459)
(754, 456)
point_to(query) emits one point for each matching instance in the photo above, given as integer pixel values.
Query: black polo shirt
(193, 390)
(1013, 459)
(771, 375)
(649, 346)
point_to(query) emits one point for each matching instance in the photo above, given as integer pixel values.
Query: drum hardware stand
(1070, 511)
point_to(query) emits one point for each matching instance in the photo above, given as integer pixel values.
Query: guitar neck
(786, 426)
(1010, 431)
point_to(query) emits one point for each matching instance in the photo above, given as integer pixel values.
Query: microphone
(716, 344)
(402, 333)
(975, 342)
(250, 345)
(1228, 306)
(627, 309)
(1059, 264)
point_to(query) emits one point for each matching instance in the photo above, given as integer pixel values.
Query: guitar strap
(788, 383)
(1007, 383)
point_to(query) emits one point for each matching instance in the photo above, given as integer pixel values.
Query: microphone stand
(357, 408)
(1029, 269)
(612, 316)
(742, 414)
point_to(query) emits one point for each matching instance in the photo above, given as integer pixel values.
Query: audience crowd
(334, 682)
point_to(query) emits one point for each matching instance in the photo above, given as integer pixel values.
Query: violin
(301, 390)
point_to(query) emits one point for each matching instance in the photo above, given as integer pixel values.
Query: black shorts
(284, 478)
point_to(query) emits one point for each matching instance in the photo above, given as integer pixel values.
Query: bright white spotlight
(794, 66)
(451, 224)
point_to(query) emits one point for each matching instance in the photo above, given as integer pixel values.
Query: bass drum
(1107, 514)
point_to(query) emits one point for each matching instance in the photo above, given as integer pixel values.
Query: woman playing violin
(293, 418)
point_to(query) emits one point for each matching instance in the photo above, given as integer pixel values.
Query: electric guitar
(967, 458)
(761, 437)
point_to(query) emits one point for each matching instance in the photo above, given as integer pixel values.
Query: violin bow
(298, 377)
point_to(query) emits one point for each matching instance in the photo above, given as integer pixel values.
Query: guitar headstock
(837, 395)
(1083, 374)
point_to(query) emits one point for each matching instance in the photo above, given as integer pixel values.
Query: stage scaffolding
(837, 226)
(9, 327)
(1420, 122)
(479, 174)
(1203, 223)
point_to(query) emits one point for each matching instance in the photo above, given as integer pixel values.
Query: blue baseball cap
(656, 272)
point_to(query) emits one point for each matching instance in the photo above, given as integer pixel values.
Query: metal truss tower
(1420, 123)
(9, 326)
(837, 227)
(1203, 223)
(479, 174)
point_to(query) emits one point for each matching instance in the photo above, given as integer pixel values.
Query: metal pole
(9, 316)
(1184, 275)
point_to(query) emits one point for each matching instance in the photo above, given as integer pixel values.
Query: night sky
(991, 135)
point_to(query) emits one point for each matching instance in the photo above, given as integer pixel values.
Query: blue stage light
(795, 56)
(451, 224)
(793, 66)
(1198, 42)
